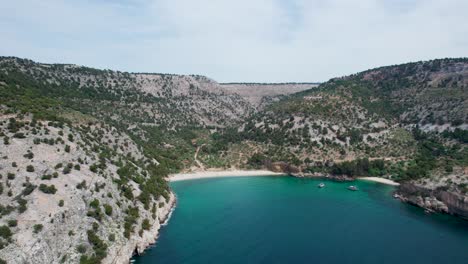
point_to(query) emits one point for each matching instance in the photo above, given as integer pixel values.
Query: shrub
(48, 189)
(94, 204)
(37, 228)
(108, 209)
(5, 232)
(100, 248)
(13, 164)
(61, 203)
(28, 189)
(67, 148)
(19, 135)
(81, 185)
(77, 167)
(22, 205)
(11, 176)
(29, 155)
(81, 248)
(46, 177)
(145, 224)
(30, 168)
(66, 170)
(12, 223)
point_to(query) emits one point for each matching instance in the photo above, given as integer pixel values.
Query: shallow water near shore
(290, 220)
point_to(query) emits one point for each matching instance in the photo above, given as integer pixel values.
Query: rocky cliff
(439, 200)
(76, 193)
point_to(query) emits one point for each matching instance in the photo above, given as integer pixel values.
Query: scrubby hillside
(85, 154)
(406, 122)
(75, 193)
(149, 99)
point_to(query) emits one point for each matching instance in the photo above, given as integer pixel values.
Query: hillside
(405, 122)
(83, 193)
(86, 152)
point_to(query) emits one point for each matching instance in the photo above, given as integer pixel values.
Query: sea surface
(290, 220)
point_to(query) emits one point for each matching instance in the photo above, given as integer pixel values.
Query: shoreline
(249, 173)
(220, 174)
(138, 245)
(379, 180)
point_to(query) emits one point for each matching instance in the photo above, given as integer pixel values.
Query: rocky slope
(84, 193)
(177, 100)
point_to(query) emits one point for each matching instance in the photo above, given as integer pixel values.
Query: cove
(290, 220)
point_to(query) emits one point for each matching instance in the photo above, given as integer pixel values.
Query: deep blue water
(290, 220)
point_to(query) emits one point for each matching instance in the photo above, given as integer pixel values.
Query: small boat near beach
(321, 185)
(353, 188)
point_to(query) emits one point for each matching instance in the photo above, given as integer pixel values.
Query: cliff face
(434, 199)
(120, 254)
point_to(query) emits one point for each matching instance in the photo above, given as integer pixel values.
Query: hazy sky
(235, 40)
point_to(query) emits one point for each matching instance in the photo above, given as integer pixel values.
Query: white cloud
(256, 40)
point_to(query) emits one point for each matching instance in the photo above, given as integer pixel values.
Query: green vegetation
(37, 228)
(5, 232)
(49, 189)
(360, 167)
(30, 168)
(108, 209)
(12, 223)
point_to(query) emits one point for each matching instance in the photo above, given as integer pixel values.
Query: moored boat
(353, 188)
(321, 185)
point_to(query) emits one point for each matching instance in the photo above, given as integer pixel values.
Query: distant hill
(262, 94)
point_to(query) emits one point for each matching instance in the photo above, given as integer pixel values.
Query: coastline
(220, 174)
(249, 173)
(137, 245)
(380, 180)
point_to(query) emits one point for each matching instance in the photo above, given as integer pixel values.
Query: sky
(235, 40)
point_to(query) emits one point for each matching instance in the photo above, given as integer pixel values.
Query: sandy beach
(217, 174)
(381, 180)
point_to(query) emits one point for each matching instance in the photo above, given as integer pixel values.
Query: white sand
(218, 174)
(381, 180)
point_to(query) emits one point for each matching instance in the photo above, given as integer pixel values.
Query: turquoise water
(290, 220)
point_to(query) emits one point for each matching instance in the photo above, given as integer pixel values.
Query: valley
(85, 153)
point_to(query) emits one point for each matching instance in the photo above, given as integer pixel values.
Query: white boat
(353, 188)
(321, 185)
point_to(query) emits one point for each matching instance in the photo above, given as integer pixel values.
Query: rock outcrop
(438, 200)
